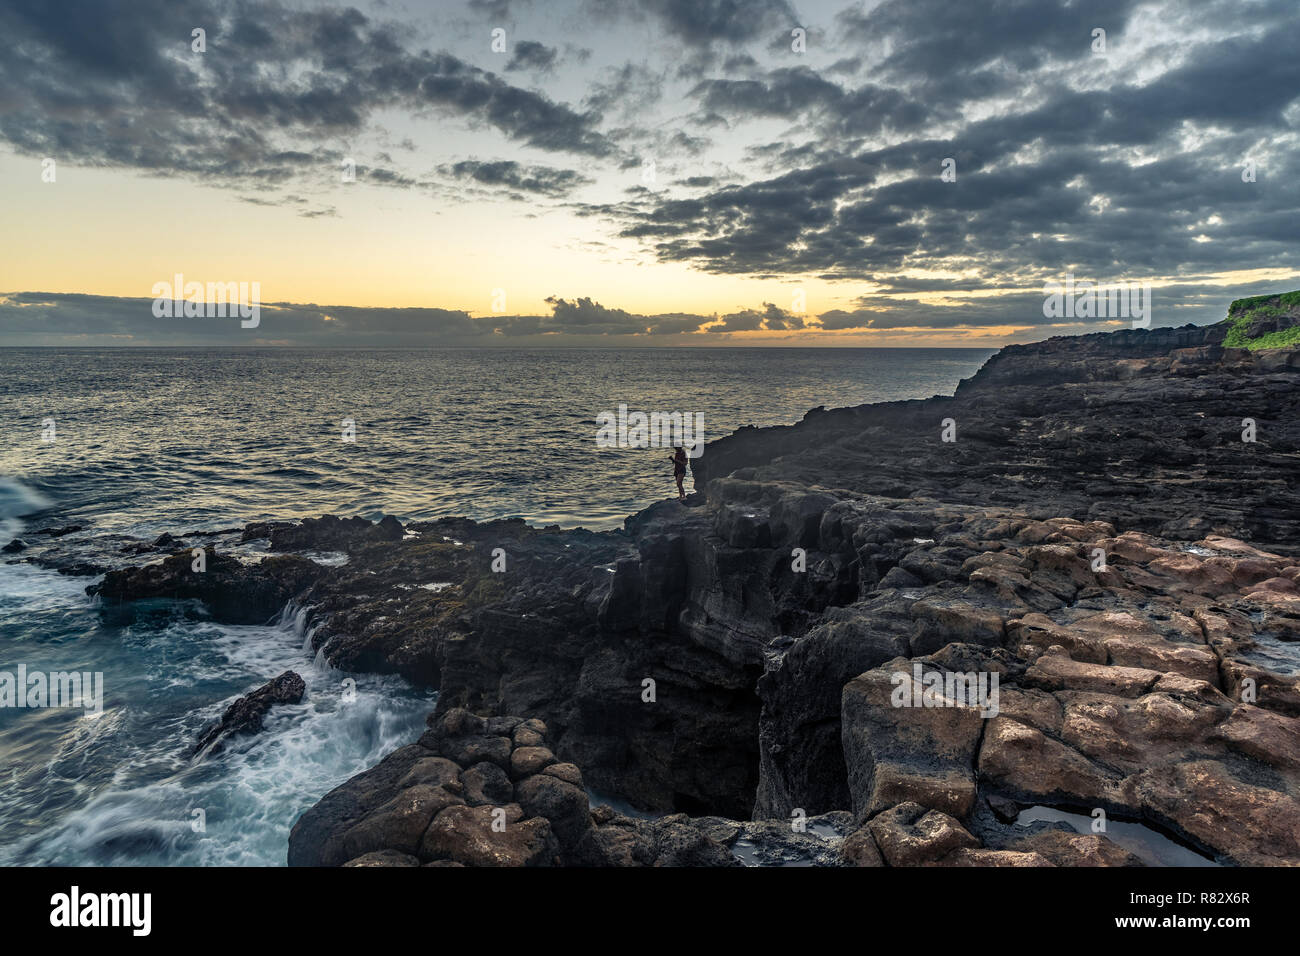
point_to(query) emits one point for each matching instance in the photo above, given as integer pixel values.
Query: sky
(648, 173)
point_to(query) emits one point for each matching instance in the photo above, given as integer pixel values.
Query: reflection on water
(1150, 846)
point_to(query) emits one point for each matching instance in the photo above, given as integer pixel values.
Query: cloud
(769, 164)
(584, 316)
(770, 317)
(63, 319)
(705, 22)
(541, 180)
(275, 92)
(532, 56)
(1138, 179)
(47, 318)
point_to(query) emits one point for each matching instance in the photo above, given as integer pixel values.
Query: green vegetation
(1243, 312)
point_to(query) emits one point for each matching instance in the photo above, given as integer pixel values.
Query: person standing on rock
(679, 471)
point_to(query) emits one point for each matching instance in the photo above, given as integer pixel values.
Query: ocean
(131, 443)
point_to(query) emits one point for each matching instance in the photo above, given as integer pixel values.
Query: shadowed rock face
(1099, 536)
(486, 792)
(235, 592)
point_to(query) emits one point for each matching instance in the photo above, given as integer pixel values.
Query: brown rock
(567, 772)
(1268, 737)
(400, 823)
(384, 858)
(526, 761)
(964, 856)
(1252, 825)
(1076, 849)
(1027, 763)
(915, 754)
(465, 834)
(909, 835)
(486, 783)
(1055, 671)
(859, 848)
(563, 804)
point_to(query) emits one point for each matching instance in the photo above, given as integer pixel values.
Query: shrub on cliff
(1264, 322)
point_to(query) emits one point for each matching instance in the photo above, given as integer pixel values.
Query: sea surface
(136, 442)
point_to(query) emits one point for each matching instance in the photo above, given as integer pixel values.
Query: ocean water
(154, 440)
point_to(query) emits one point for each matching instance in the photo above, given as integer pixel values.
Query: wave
(18, 500)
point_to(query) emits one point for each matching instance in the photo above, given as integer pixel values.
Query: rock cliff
(1109, 525)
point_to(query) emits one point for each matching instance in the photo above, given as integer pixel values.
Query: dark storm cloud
(702, 23)
(938, 39)
(1113, 182)
(793, 92)
(118, 84)
(770, 317)
(533, 56)
(784, 92)
(541, 180)
(1171, 305)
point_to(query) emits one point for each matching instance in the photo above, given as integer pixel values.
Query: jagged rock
(245, 715)
(909, 835)
(235, 592)
(1075, 849)
(1099, 536)
(326, 533)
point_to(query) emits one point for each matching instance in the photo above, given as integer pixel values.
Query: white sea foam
(251, 794)
(17, 500)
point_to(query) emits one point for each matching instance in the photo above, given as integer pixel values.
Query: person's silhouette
(679, 471)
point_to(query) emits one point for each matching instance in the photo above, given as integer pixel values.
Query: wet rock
(316, 838)
(234, 592)
(326, 533)
(245, 715)
(714, 660)
(59, 532)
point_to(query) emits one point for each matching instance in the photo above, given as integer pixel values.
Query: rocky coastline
(1108, 524)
